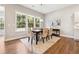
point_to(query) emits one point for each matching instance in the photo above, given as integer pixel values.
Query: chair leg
(32, 40)
(46, 38)
(51, 36)
(28, 39)
(43, 40)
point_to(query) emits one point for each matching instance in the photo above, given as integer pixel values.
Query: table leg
(37, 38)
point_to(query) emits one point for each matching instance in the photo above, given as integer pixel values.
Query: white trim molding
(67, 36)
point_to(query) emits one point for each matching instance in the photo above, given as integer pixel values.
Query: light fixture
(33, 6)
(41, 4)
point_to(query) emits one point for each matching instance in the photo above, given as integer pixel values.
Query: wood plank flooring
(16, 47)
(63, 46)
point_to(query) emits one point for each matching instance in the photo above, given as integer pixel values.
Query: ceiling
(45, 8)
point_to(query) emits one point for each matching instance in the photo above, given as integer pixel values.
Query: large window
(20, 21)
(41, 23)
(1, 23)
(37, 22)
(34, 22)
(30, 22)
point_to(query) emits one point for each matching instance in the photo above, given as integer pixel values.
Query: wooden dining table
(37, 31)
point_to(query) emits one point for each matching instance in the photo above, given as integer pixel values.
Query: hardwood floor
(63, 46)
(77, 47)
(16, 47)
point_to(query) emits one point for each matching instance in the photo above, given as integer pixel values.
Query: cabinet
(56, 32)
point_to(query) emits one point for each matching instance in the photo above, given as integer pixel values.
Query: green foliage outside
(30, 22)
(21, 21)
(1, 23)
(37, 21)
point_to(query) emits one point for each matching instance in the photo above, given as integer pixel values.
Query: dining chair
(50, 33)
(45, 34)
(40, 34)
(31, 36)
(28, 35)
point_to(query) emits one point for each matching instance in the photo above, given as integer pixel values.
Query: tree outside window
(37, 22)
(21, 23)
(34, 22)
(1, 23)
(30, 22)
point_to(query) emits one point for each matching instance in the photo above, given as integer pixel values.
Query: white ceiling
(45, 8)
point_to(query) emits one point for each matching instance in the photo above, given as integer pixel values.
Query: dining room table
(37, 31)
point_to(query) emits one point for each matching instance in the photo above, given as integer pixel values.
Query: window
(37, 22)
(30, 22)
(20, 21)
(41, 23)
(34, 22)
(1, 23)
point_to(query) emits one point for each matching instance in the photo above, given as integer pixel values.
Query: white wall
(10, 24)
(67, 19)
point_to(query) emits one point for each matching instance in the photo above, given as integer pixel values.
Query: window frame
(4, 16)
(35, 21)
(36, 18)
(16, 29)
(31, 16)
(26, 21)
(3, 21)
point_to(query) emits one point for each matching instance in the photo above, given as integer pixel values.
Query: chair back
(45, 31)
(50, 31)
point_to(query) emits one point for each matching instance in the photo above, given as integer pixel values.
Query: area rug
(42, 47)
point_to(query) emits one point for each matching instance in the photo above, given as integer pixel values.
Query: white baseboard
(9, 39)
(67, 36)
(77, 39)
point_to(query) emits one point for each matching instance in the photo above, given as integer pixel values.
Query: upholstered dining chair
(45, 34)
(31, 36)
(50, 33)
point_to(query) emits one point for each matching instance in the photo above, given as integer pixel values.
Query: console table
(56, 32)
